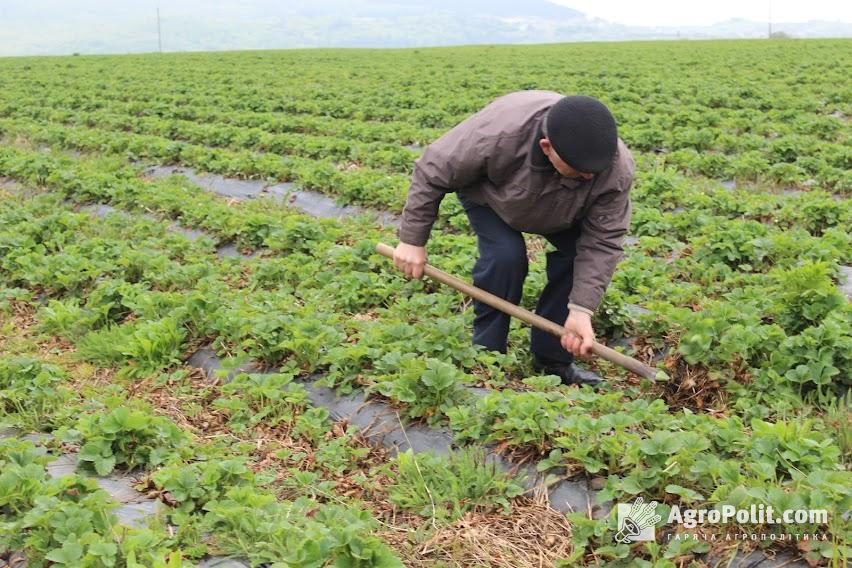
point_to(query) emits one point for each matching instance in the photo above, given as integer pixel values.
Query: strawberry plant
(428, 389)
(339, 454)
(818, 357)
(190, 486)
(789, 448)
(72, 525)
(31, 392)
(125, 438)
(253, 398)
(65, 521)
(66, 318)
(736, 246)
(313, 424)
(300, 533)
(308, 336)
(805, 295)
(516, 419)
(22, 478)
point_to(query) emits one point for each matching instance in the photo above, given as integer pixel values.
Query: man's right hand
(410, 259)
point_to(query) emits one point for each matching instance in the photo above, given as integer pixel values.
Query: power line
(159, 31)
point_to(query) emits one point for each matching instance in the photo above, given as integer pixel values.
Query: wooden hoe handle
(534, 320)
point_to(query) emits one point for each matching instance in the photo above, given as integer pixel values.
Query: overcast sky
(686, 13)
(35, 27)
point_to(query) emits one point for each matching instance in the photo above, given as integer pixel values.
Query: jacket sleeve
(455, 160)
(599, 246)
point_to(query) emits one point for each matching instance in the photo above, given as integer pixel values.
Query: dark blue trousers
(502, 268)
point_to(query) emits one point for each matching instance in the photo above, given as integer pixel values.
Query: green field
(733, 284)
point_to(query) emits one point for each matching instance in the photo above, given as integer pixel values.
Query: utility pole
(770, 20)
(159, 31)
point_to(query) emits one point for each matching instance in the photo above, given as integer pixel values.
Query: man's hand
(410, 259)
(580, 334)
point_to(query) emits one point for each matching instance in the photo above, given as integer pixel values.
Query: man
(535, 162)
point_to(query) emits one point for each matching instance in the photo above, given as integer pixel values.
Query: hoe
(511, 309)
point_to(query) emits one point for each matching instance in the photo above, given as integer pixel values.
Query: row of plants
(220, 498)
(741, 284)
(712, 277)
(287, 317)
(391, 132)
(392, 158)
(797, 305)
(361, 185)
(760, 218)
(343, 91)
(760, 123)
(69, 521)
(382, 156)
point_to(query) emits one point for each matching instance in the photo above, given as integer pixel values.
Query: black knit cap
(582, 131)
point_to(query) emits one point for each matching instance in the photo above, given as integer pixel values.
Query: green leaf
(661, 442)
(105, 550)
(116, 421)
(104, 466)
(69, 555)
(689, 495)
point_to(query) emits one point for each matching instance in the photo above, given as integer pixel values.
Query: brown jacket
(495, 159)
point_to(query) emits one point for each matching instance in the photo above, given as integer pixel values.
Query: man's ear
(545, 146)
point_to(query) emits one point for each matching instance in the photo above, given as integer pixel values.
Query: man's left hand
(580, 335)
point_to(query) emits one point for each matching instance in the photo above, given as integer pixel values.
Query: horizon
(436, 47)
(101, 27)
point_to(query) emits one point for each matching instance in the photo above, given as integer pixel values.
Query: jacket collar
(538, 160)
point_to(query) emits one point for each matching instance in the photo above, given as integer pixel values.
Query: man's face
(564, 169)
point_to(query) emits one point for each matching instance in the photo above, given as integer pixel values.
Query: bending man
(541, 163)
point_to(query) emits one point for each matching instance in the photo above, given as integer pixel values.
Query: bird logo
(637, 522)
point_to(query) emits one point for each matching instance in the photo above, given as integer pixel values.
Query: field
(193, 367)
